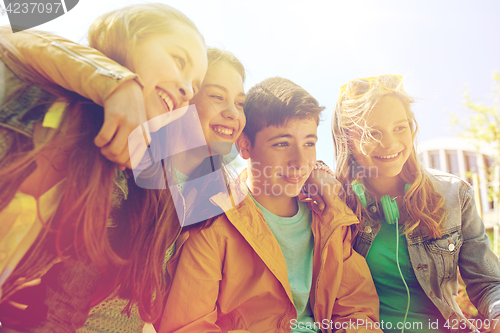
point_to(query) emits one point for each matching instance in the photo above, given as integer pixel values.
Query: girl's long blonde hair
(132, 252)
(422, 201)
(116, 33)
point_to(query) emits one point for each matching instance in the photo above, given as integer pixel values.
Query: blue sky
(438, 46)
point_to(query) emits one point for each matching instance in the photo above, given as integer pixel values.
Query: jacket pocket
(445, 252)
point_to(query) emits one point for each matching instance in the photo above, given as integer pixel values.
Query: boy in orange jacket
(271, 264)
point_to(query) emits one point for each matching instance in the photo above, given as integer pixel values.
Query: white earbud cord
(401, 274)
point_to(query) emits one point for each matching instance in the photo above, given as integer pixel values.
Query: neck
(188, 161)
(394, 186)
(278, 205)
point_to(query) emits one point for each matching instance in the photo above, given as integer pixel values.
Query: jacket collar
(249, 221)
(238, 207)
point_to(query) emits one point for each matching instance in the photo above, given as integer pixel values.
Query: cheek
(362, 158)
(205, 114)
(311, 157)
(364, 148)
(356, 146)
(243, 122)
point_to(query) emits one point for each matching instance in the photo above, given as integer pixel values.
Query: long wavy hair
(422, 201)
(127, 242)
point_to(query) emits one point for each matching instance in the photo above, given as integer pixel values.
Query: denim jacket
(463, 244)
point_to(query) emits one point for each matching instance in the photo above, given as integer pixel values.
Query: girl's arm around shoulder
(50, 61)
(75, 67)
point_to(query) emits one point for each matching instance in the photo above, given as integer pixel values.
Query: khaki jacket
(232, 277)
(50, 62)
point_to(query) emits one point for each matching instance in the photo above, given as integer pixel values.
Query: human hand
(321, 188)
(124, 111)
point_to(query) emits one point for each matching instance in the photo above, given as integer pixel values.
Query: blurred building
(463, 158)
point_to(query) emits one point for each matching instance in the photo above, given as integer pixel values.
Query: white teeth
(166, 99)
(223, 130)
(291, 178)
(388, 156)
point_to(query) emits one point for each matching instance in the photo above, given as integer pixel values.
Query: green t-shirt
(295, 238)
(381, 259)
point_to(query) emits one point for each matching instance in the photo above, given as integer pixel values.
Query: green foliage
(482, 125)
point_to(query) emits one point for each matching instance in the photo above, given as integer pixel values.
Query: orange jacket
(232, 277)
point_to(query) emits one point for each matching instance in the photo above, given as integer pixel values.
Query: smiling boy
(271, 264)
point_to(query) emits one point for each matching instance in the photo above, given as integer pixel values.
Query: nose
(298, 159)
(231, 112)
(388, 141)
(186, 91)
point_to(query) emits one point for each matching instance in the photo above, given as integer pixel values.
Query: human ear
(244, 143)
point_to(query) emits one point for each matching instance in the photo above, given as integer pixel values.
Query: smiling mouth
(388, 157)
(292, 179)
(166, 98)
(223, 131)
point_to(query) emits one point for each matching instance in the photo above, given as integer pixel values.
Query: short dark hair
(274, 102)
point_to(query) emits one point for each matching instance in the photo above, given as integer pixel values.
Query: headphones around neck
(389, 205)
(391, 214)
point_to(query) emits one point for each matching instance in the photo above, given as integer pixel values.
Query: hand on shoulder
(124, 111)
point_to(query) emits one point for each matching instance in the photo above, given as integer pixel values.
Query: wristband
(320, 165)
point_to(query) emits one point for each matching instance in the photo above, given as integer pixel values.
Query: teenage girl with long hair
(417, 225)
(191, 177)
(83, 229)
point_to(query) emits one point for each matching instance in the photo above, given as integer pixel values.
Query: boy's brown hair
(274, 102)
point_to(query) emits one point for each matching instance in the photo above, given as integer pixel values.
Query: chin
(292, 191)
(220, 148)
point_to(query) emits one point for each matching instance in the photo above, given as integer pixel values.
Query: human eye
(310, 144)
(181, 63)
(216, 96)
(280, 144)
(400, 128)
(239, 105)
(374, 134)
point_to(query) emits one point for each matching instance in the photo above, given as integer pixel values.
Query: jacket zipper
(99, 69)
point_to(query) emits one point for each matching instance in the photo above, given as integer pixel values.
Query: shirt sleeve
(196, 270)
(41, 57)
(69, 289)
(479, 266)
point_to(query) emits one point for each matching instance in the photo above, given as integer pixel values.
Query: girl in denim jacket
(417, 226)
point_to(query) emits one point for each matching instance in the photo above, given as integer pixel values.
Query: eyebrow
(279, 136)
(221, 88)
